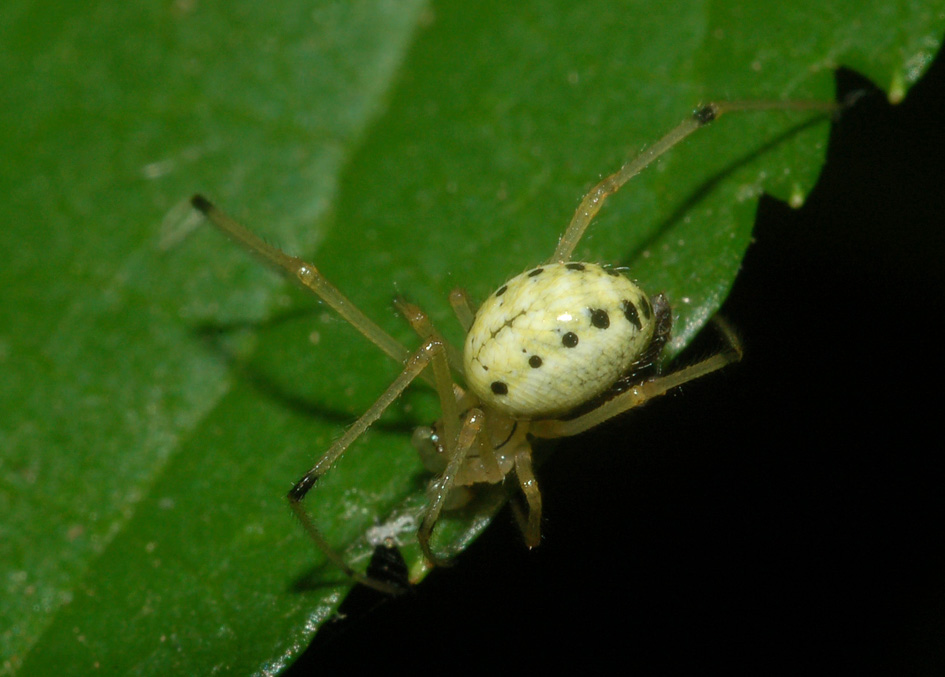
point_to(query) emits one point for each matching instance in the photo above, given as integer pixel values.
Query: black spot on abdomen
(599, 318)
(646, 307)
(630, 312)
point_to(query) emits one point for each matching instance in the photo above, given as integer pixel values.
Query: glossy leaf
(160, 394)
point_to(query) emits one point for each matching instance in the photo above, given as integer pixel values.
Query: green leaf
(160, 395)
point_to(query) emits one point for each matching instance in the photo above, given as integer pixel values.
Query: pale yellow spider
(553, 352)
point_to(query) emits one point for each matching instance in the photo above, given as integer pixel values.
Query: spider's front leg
(701, 117)
(307, 275)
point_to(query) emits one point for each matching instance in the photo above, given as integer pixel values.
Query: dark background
(783, 516)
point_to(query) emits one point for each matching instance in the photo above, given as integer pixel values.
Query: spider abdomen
(555, 337)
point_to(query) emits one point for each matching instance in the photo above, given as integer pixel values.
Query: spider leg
(443, 485)
(459, 439)
(702, 116)
(306, 274)
(530, 524)
(420, 322)
(647, 390)
(432, 350)
(460, 302)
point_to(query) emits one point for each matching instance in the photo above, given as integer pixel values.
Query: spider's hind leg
(641, 392)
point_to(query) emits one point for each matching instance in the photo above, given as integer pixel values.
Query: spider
(555, 351)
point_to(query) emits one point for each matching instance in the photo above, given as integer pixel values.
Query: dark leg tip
(200, 203)
(705, 114)
(303, 486)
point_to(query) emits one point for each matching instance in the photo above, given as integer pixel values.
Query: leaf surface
(160, 394)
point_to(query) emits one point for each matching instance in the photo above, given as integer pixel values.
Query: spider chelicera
(554, 351)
